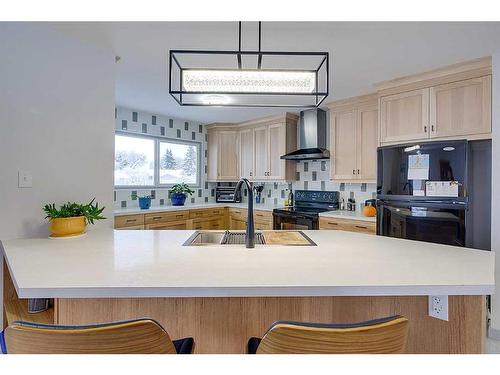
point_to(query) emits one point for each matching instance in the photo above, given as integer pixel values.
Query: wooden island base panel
(224, 325)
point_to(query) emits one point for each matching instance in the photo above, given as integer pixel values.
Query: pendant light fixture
(248, 78)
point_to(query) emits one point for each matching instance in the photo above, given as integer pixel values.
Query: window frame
(156, 171)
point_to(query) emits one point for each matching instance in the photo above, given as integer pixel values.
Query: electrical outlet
(438, 307)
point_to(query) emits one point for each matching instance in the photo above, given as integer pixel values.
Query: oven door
(289, 221)
(436, 222)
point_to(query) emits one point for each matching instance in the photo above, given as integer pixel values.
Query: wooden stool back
(387, 335)
(143, 336)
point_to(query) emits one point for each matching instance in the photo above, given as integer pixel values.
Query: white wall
(56, 120)
(495, 180)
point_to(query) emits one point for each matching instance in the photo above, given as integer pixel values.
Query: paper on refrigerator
(418, 167)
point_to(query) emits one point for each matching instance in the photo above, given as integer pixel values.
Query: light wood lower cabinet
(173, 225)
(129, 221)
(263, 220)
(359, 226)
(225, 218)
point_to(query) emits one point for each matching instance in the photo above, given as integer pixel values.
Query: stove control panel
(331, 197)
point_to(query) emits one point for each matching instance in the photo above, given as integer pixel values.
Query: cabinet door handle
(180, 215)
(353, 171)
(131, 220)
(250, 174)
(157, 218)
(425, 129)
(360, 227)
(432, 128)
(329, 222)
(358, 171)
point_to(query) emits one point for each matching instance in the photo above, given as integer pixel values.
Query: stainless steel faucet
(250, 233)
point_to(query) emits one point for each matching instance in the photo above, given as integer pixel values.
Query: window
(149, 161)
(178, 162)
(134, 161)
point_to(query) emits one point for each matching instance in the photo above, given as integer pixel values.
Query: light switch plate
(24, 179)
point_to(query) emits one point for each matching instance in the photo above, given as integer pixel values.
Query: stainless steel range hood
(312, 137)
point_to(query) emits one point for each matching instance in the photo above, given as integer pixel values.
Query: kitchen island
(222, 295)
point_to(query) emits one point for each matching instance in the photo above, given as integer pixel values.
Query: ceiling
(361, 53)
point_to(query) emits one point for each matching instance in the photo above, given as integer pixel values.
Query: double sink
(271, 237)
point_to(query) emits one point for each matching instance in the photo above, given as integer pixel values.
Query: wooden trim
(456, 72)
(355, 101)
(285, 117)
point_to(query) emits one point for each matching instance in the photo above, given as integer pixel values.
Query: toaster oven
(227, 194)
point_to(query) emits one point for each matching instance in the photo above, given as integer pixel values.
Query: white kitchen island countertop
(109, 263)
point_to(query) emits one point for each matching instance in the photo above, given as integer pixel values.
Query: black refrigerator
(436, 192)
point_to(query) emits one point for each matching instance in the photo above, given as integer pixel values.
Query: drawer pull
(333, 223)
(131, 220)
(180, 215)
(360, 227)
(157, 218)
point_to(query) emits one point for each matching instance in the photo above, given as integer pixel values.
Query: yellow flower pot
(67, 226)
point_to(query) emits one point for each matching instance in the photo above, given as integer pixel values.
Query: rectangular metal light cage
(313, 65)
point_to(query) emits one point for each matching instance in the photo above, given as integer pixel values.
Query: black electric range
(305, 212)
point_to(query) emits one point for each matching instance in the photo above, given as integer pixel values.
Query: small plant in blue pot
(179, 193)
(145, 202)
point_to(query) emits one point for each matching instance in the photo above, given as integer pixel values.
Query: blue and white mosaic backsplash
(311, 175)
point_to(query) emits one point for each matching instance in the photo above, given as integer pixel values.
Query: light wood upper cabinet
(353, 139)
(461, 108)
(404, 116)
(343, 141)
(277, 147)
(253, 149)
(212, 155)
(452, 102)
(246, 153)
(222, 164)
(228, 155)
(261, 153)
(366, 143)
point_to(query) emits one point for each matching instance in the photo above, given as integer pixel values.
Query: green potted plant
(179, 193)
(71, 219)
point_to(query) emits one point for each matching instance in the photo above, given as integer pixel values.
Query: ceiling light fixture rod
(239, 45)
(259, 63)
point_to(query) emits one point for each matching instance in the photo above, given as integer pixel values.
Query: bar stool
(140, 336)
(386, 335)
